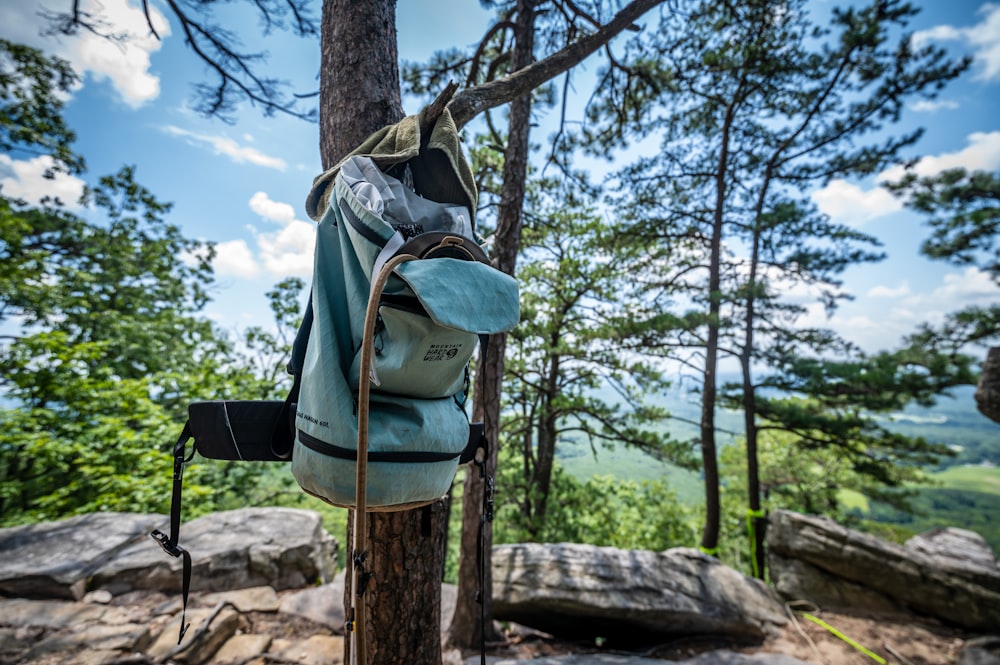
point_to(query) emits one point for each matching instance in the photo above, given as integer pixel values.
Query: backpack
(403, 295)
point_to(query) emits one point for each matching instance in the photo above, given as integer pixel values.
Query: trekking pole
(360, 575)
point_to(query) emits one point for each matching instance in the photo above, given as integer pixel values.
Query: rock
(988, 389)
(99, 597)
(323, 604)
(583, 591)
(857, 569)
(48, 614)
(981, 651)
(242, 649)
(56, 559)
(959, 550)
(449, 597)
(317, 650)
(712, 658)
(254, 599)
(278, 547)
(798, 580)
(209, 629)
(94, 637)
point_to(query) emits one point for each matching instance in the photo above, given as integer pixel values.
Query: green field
(977, 478)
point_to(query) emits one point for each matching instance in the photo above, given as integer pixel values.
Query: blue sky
(242, 185)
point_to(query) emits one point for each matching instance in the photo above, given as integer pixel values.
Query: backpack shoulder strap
(283, 436)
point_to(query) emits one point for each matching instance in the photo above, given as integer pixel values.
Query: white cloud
(234, 257)
(889, 292)
(124, 62)
(930, 106)
(895, 312)
(983, 39)
(223, 145)
(288, 251)
(261, 203)
(981, 153)
(26, 180)
(851, 204)
(972, 286)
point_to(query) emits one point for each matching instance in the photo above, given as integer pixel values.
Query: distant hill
(969, 491)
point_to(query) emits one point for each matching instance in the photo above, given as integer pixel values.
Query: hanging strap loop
(170, 543)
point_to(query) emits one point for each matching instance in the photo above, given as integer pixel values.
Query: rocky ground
(898, 642)
(260, 627)
(259, 600)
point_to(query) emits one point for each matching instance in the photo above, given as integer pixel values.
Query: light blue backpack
(402, 295)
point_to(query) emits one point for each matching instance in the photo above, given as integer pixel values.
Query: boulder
(981, 651)
(583, 591)
(988, 389)
(958, 550)
(284, 548)
(57, 559)
(277, 547)
(944, 574)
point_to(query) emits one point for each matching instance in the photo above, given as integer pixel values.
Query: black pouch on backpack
(236, 430)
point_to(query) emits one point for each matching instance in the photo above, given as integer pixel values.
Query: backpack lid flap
(464, 295)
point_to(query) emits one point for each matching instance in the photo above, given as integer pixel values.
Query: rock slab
(56, 559)
(583, 591)
(948, 574)
(277, 547)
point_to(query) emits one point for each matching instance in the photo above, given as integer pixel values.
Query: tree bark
(710, 463)
(359, 75)
(359, 94)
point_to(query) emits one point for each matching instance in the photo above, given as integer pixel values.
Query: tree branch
(472, 101)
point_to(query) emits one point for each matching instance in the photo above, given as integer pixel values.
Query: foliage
(122, 280)
(809, 480)
(963, 212)
(32, 86)
(752, 104)
(940, 507)
(267, 350)
(576, 319)
(604, 511)
(104, 346)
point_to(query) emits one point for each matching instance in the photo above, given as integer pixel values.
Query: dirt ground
(896, 641)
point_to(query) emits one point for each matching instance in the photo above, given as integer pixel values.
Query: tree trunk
(755, 517)
(359, 94)
(359, 75)
(713, 508)
(545, 455)
(466, 627)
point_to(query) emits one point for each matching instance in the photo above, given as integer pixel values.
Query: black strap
(401, 457)
(283, 435)
(367, 232)
(169, 543)
(487, 516)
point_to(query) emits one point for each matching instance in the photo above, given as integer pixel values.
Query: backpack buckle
(164, 542)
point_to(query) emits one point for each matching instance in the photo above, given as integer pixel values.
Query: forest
(677, 264)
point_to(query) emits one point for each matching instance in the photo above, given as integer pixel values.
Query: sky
(242, 184)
